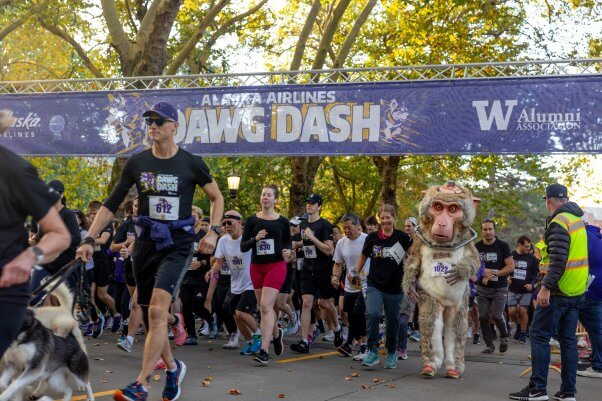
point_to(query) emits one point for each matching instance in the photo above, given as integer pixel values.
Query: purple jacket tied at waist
(161, 232)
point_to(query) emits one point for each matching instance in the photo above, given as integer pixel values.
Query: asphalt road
(319, 376)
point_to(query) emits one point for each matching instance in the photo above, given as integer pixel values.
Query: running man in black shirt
(165, 177)
(23, 194)
(316, 274)
(520, 291)
(268, 234)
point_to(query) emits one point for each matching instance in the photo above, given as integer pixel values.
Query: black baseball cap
(556, 191)
(57, 186)
(164, 109)
(315, 198)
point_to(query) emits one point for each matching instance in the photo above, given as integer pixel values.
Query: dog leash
(63, 273)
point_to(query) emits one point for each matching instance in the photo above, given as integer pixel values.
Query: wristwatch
(39, 254)
(216, 229)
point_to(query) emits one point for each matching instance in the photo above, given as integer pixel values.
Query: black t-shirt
(101, 256)
(526, 267)
(386, 260)
(126, 229)
(494, 256)
(299, 252)
(269, 249)
(314, 259)
(22, 194)
(68, 254)
(197, 277)
(165, 186)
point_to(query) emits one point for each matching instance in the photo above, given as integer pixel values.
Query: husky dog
(39, 356)
(60, 319)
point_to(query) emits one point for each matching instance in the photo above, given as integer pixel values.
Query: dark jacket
(594, 253)
(558, 241)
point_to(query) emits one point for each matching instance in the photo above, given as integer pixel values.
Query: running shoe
(402, 354)
(371, 359)
(173, 382)
(133, 392)
(262, 357)
(469, 333)
(529, 394)
(361, 354)
(125, 345)
(278, 343)
(415, 336)
(301, 347)
(160, 365)
(476, 338)
(516, 333)
(315, 335)
(522, 338)
(116, 324)
(140, 331)
(562, 396)
(108, 322)
(98, 327)
(191, 341)
(490, 349)
(256, 343)
(329, 337)
(345, 350)
(391, 361)
(248, 349)
(292, 327)
(204, 329)
(87, 329)
(589, 372)
(213, 331)
(178, 330)
(345, 333)
(233, 342)
(503, 344)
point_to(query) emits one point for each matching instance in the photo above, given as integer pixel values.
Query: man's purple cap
(163, 109)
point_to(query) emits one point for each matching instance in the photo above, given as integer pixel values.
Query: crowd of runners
(173, 271)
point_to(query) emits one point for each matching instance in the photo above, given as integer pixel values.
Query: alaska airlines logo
(528, 119)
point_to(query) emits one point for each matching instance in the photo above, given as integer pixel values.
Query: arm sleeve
(247, 236)
(558, 241)
(31, 194)
(126, 180)
(202, 172)
(367, 250)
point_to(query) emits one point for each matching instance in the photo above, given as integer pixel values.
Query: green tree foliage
(85, 179)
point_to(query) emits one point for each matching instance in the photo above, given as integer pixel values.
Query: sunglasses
(226, 223)
(159, 121)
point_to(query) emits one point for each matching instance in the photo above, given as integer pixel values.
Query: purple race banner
(517, 115)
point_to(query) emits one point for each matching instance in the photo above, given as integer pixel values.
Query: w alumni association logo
(498, 117)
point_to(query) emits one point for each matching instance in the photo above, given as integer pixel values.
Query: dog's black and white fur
(39, 357)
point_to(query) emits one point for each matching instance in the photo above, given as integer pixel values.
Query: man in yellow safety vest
(561, 291)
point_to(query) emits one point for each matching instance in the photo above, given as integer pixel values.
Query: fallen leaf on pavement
(99, 359)
(108, 371)
(209, 378)
(280, 395)
(205, 383)
(365, 386)
(355, 374)
(104, 381)
(157, 378)
(234, 391)
(391, 385)
(348, 379)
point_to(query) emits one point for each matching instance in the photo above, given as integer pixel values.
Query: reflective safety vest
(544, 263)
(574, 280)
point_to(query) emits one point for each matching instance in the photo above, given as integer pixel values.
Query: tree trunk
(304, 170)
(387, 167)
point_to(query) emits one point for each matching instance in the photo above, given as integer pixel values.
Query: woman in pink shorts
(267, 234)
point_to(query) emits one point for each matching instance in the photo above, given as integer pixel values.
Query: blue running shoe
(173, 381)
(247, 350)
(133, 392)
(256, 343)
(371, 359)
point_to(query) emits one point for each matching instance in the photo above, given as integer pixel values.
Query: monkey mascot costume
(440, 264)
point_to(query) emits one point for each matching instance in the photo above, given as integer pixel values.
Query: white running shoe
(329, 336)
(469, 333)
(233, 343)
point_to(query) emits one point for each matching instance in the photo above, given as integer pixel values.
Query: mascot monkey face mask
(445, 215)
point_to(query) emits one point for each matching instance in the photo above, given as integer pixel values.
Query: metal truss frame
(493, 70)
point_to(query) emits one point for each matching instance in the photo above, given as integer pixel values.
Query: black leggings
(122, 299)
(356, 314)
(223, 312)
(13, 302)
(192, 303)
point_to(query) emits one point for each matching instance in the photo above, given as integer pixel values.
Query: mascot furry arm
(441, 261)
